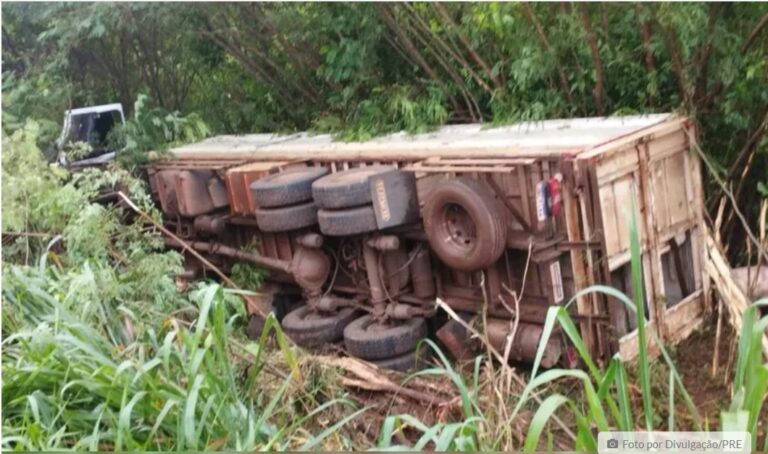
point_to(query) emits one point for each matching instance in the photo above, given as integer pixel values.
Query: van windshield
(93, 128)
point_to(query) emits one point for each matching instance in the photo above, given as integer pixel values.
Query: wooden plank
(676, 178)
(617, 166)
(512, 209)
(608, 149)
(526, 199)
(615, 309)
(470, 161)
(653, 267)
(625, 196)
(587, 210)
(680, 316)
(629, 345)
(610, 218)
(580, 276)
(667, 145)
(731, 296)
(700, 253)
(443, 169)
(659, 194)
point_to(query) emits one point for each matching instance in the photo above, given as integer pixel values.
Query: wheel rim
(457, 228)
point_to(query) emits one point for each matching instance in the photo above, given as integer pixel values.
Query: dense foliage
(363, 69)
(101, 350)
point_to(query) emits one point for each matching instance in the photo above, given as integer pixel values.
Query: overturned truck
(360, 239)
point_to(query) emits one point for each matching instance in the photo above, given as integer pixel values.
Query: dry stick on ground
(500, 358)
(371, 379)
(718, 331)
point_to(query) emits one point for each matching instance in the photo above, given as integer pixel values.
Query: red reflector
(554, 201)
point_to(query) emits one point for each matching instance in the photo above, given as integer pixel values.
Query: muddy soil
(694, 357)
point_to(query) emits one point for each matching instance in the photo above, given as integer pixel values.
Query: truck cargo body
(504, 222)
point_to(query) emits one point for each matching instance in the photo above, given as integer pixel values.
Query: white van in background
(90, 125)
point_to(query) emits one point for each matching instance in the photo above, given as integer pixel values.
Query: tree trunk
(650, 63)
(411, 49)
(594, 47)
(564, 84)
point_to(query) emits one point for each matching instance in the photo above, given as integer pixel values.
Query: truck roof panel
(545, 138)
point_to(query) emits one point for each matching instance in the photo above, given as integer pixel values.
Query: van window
(93, 127)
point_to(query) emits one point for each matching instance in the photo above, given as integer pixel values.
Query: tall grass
(604, 401)
(133, 380)
(79, 373)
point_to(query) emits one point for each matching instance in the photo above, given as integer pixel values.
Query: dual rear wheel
(390, 345)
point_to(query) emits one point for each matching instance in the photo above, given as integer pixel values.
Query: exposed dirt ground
(694, 358)
(711, 393)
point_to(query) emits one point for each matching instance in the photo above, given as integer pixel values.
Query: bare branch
(594, 47)
(564, 84)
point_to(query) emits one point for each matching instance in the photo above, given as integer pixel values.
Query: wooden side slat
(732, 297)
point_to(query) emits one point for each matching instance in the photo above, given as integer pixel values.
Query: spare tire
(465, 224)
(310, 328)
(347, 188)
(286, 218)
(287, 187)
(347, 222)
(368, 339)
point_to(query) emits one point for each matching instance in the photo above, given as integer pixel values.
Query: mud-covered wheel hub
(465, 224)
(457, 227)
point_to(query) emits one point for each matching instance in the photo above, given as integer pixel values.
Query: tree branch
(443, 13)
(564, 84)
(594, 47)
(755, 33)
(411, 49)
(704, 53)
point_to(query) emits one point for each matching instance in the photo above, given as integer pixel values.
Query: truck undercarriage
(498, 224)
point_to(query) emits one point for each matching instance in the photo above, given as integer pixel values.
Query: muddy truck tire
(369, 340)
(309, 328)
(285, 188)
(347, 188)
(286, 218)
(351, 221)
(465, 224)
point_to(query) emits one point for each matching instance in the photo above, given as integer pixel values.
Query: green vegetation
(102, 351)
(361, 69)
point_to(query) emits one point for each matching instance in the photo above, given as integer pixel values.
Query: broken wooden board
(733, 299)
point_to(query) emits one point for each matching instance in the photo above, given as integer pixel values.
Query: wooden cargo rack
(607, 167)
